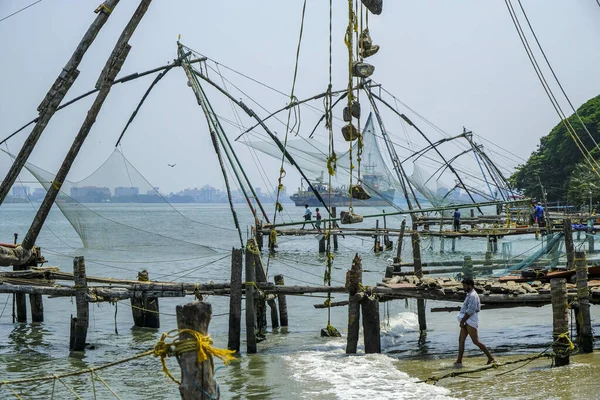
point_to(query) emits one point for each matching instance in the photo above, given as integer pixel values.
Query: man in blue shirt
(538, 214)
(468, 319)
(307, 215)
(456, 220)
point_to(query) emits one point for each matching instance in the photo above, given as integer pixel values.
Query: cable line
(18, 11)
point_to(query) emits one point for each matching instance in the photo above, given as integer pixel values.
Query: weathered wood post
(260, 300)
(467, 267)
(584, 335)
(371, 324)
(335, 225)
(488, 253)
(560, 321)
(387, 243)
(569, 246)
(353, 280)
(322, 243)
(377, 244)
(197, 379)
(494, 244)
(20, 301)
(235, 301)
(282, 301)
(453, 244)
(591, 243)
(418, 269)
(250, 297)
(79, 325)
(442, 244)
(259, 234)
(145, 309)
(398, 258)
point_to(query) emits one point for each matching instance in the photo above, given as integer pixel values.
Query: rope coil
(199, 343)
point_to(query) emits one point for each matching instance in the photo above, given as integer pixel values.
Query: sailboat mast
(394, 156)
(55, 95)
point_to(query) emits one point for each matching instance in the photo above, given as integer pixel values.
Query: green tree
(557, 155)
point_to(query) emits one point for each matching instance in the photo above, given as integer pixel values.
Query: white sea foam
(333, 374)
(394, 330)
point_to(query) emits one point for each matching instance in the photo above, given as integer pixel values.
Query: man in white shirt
(469, 322)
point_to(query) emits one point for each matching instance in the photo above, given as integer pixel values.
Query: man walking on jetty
(468, 319)
(307, 216)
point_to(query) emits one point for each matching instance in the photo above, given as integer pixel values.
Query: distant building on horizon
(20, 192)
(90, 194)
(123, 191)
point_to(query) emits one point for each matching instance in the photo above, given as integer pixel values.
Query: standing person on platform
(318, 223)
(468, 319)
(538, 214)
(456, 216)
(307, 215)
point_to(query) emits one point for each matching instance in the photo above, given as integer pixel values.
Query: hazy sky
(457, 62)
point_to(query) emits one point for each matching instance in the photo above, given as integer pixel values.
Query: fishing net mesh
(116, 208)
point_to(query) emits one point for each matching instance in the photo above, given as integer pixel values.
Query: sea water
(292, 363)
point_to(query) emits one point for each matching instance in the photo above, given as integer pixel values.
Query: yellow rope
(68, 388)
(106, 384)
(199, 343)
(252, 247)
(5, 383)
(93, 383)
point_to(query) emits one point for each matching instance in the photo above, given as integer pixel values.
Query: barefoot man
(469, 322)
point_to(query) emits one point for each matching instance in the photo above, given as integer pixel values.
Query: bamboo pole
(79, 325)
(197, 379)
(235, 301)
(56, 94)
(105, 81)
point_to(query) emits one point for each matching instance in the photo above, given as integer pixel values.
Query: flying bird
(171, 165)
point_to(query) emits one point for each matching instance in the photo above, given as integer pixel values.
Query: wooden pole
(20, 301)
(335, 225)
(105, 81)
(560, 321)
(398, 258)
(569, 246)
(79, 325)
(371, 324)
(585, 335)
(55, 95)
(387, 243)
(591, 243)
(377, 244)
(418, 269)
(250, 295)
(260, 300)
(259, 234)
(283, 314)
(197, 379)
(322, 244)
(145, 309)
(235, 301)
(353, 280)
